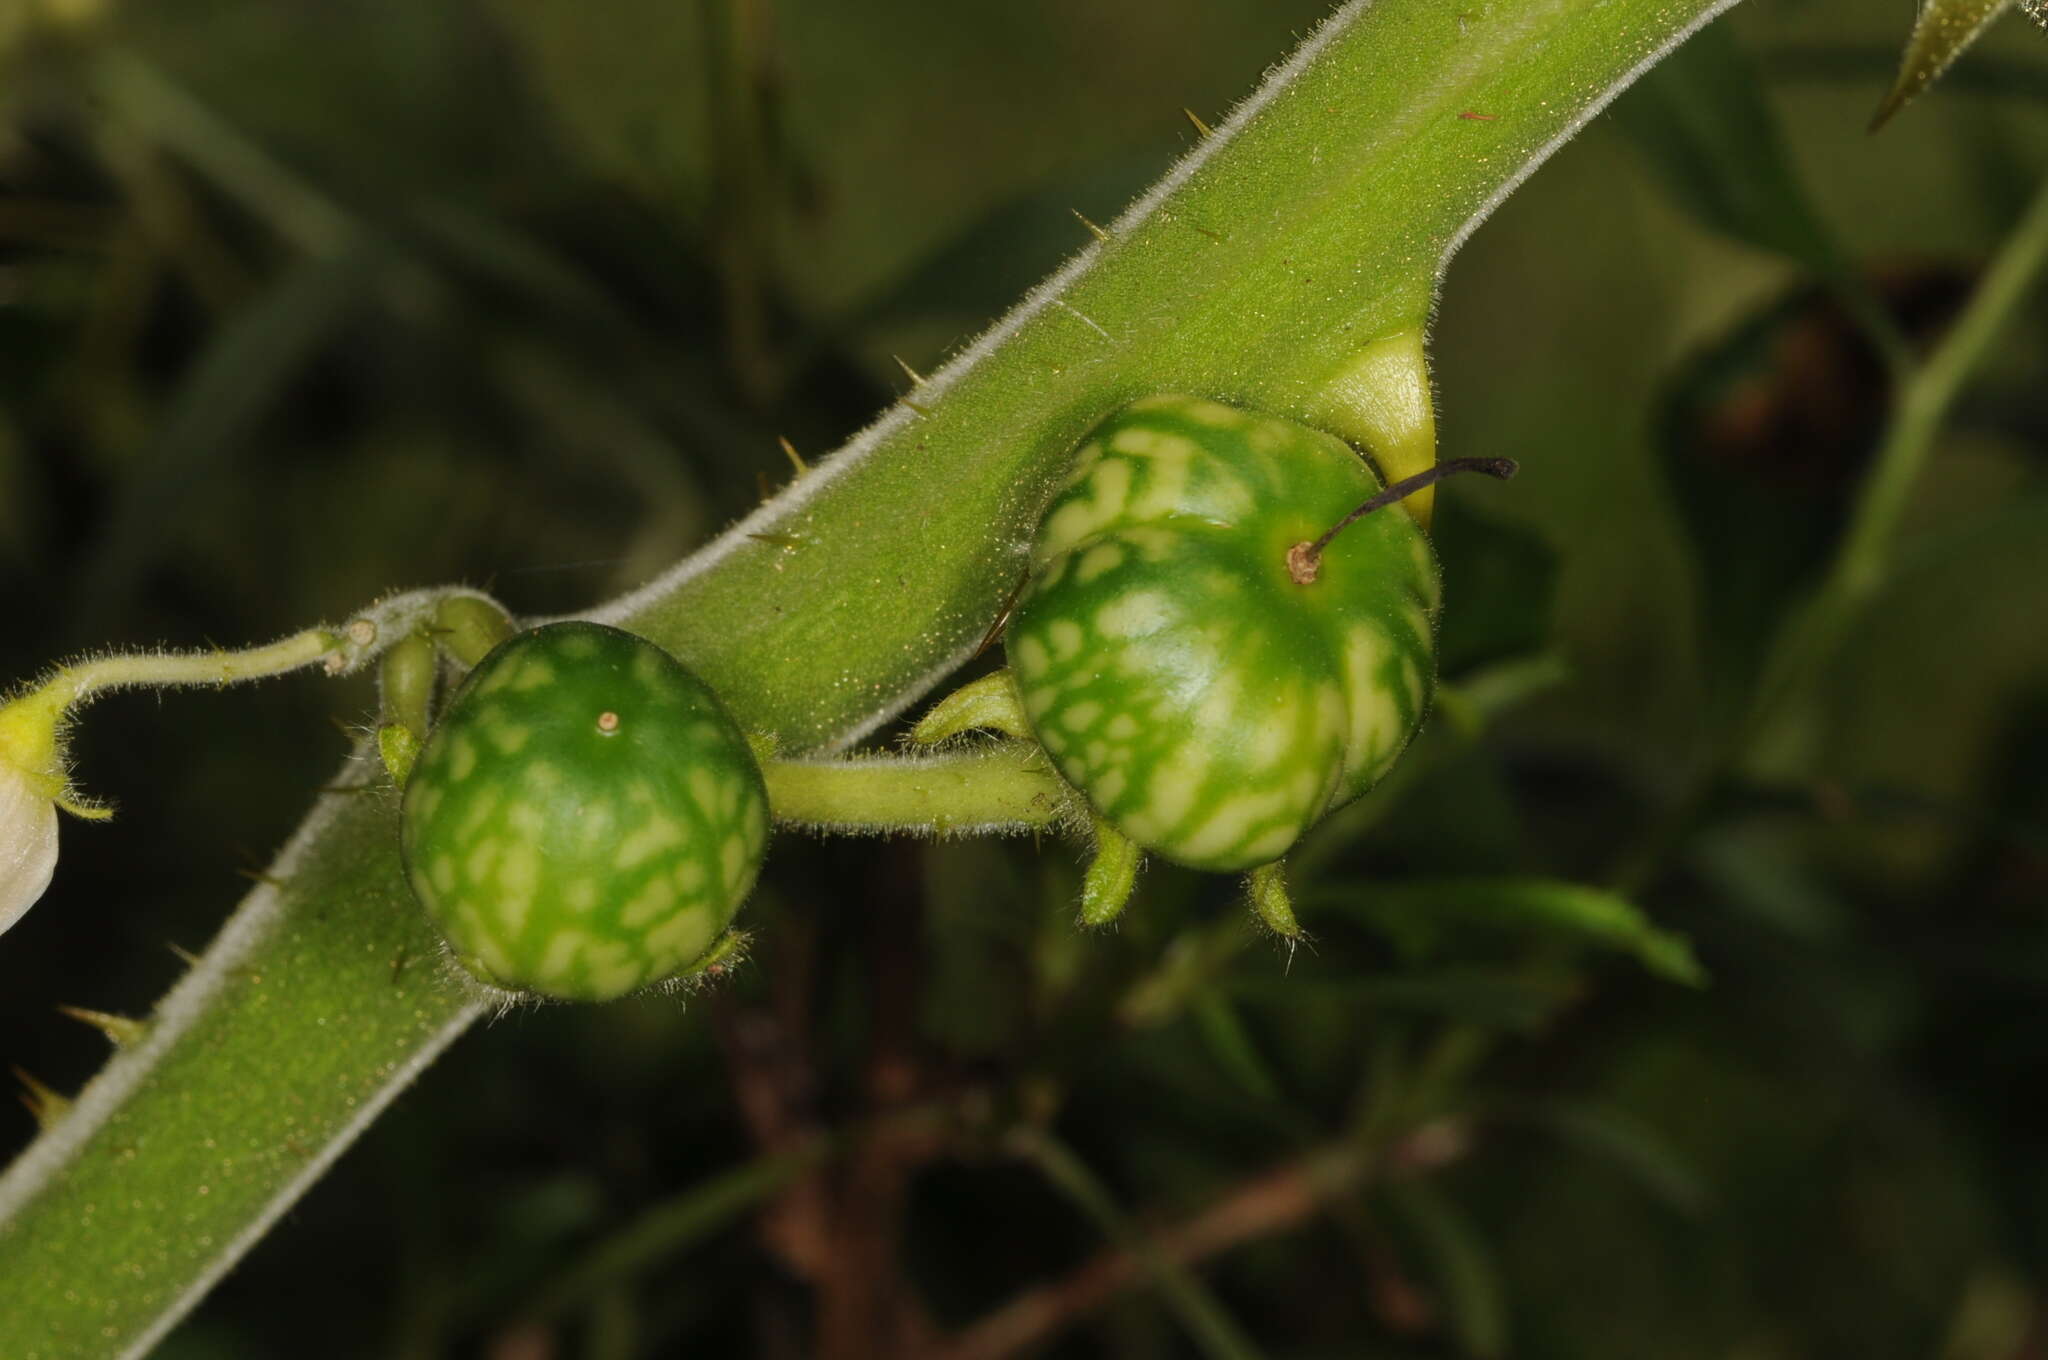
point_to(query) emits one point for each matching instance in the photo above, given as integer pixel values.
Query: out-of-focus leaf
(1763, 437)
(939, 129)
(1931, 716)
(504, 254)
(299, 211)
(629, 92)
(1473, 699)
(1458, 1262)
(2012, 851)
(958, 286)
(1208, 1324)
(1182, 970)
(1630, 1146)
(1476, 995)
(1702, 123)
(1757, 871)
(1419, 913)
(529, 1234)
(238, 378)
(1998, 76)
(1503, 577)
(1942, 31)
(1235, 1051)
(1995, 1317)
(976, 929)
(672, 1225)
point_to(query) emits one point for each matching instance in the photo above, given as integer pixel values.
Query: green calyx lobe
(585, 819)
(1208, 705)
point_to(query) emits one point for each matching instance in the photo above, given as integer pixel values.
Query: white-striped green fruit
(585, 818)
(1210, 707)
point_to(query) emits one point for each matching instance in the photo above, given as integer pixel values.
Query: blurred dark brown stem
(1274, 1202)
(839, 1229)
(866, 1307)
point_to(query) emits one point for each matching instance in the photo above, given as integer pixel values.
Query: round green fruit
(1208, 703)
(586, 817)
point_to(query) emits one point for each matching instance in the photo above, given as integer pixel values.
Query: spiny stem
(1305, 559)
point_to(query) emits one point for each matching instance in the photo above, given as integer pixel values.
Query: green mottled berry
(586, 818)
(1211, 708)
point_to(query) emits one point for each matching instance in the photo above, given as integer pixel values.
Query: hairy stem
(1001, 788)
(80, 682)
(31, 726)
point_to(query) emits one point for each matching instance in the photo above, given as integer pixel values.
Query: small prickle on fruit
(585, 819)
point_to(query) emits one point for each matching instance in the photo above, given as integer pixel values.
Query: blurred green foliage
(302, 302)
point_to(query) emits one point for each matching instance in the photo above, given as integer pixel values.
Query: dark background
(300, 302)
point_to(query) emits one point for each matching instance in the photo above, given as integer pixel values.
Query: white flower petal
(28, 844)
